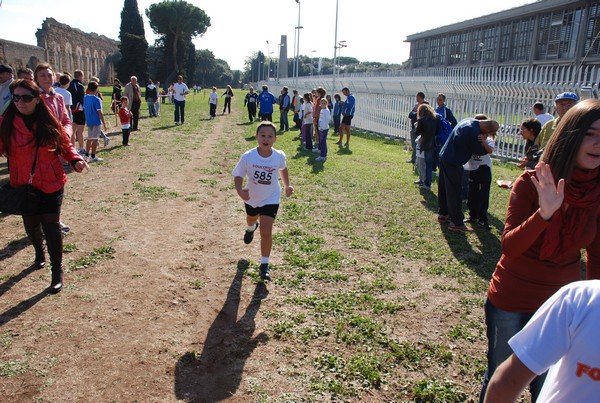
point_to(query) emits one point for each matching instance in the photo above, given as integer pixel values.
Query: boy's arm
(509, 380)
(101, 115)
(239, 183)
(285, 178)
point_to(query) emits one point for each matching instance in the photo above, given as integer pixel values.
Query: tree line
(177, 23)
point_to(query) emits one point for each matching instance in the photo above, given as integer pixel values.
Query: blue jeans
(429, 161)
(501, 326)
(283, 120)
(151, 108)
(336, 124)
(323, 142)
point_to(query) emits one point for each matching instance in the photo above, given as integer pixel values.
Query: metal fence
(505, 94)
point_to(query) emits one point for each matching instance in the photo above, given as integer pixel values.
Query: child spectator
(262, 166)
(99, 95)
(92, 107)
(323, 126)
(337, 115)
(64, 82)
(125, 118)
(307, 122)
(420, 164)
(213, 100)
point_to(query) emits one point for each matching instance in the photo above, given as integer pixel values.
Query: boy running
(262, 165)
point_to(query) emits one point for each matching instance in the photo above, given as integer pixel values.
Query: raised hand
(550, 196)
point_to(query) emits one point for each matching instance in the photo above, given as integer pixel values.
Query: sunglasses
(27, 98)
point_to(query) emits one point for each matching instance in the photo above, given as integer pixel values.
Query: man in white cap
(562, 103)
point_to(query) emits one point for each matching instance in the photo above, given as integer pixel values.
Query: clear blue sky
(374, 30)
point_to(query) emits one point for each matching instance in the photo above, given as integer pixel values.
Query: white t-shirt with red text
(263, 176)
(562, 337)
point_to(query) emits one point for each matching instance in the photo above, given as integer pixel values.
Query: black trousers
(47, 221)
(252, 111)
(135, 115)
(480, 181)
(449, 189)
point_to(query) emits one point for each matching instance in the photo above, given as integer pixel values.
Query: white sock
(252, 227)
(264, 260)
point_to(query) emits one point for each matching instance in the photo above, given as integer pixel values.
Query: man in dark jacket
(465, 140)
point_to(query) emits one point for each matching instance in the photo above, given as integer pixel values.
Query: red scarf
(582, 195)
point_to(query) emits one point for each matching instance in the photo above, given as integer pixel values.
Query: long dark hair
(562, 148)
(46, 131)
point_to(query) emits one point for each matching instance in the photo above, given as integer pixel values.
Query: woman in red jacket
(30, 132)
(553, 213)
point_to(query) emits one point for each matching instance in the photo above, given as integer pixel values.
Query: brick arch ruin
(69, 49)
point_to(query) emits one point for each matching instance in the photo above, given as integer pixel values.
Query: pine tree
(133, 46)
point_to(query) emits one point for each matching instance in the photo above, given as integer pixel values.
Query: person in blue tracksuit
(266, 100)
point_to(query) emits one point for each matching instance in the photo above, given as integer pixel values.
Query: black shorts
(270, 210)
(346, 119)
(79, 118)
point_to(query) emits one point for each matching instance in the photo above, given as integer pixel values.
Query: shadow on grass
(481, 263)
(215, 374)
(23, 306)
(13, 247)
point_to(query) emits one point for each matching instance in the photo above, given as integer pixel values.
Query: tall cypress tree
(133, 46)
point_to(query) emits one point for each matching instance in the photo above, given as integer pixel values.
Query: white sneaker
(96, 159)
(321, 159)
(106, 141)
(316, 150)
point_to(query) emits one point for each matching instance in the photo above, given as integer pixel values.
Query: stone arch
(57, 58)
(88, 63)
(79, 59)
(33, 62)
(96, 64)
(69, 57)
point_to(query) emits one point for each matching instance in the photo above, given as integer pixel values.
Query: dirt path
(154, 316)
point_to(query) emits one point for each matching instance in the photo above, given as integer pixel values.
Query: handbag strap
(37, 147)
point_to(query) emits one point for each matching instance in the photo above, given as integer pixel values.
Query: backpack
(443, 130)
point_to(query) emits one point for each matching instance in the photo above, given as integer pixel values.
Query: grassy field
(381, 296)
(372, 299)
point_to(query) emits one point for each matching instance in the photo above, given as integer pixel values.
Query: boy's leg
(266, 235)
(94, 146)
(266, 242)
(252, 221)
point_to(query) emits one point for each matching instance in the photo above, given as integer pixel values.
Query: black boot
(56, 284)
(34, 233)
(54, 242)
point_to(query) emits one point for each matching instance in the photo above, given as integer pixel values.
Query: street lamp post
(297, 46)
(269, 57)
(335, 41)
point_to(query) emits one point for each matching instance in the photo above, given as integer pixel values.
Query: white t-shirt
(180, 89)
(562, 337)
(213, 98)
(543, 118)
(478, 160)
(66, 95)
(324, 117)
(263, 176)
(307, 117)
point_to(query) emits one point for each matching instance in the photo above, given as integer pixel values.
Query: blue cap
(567, 95)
